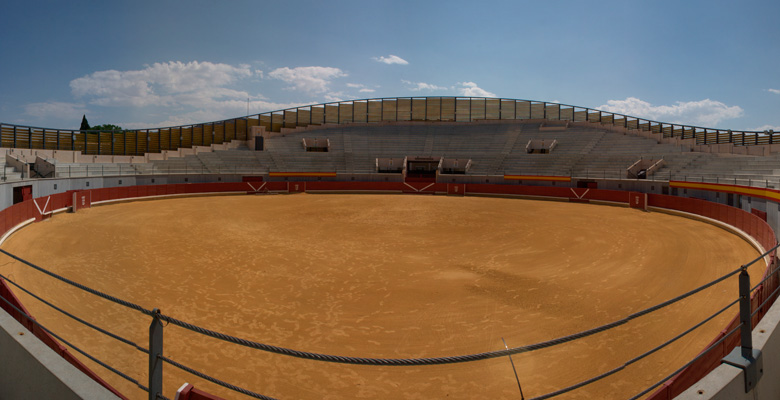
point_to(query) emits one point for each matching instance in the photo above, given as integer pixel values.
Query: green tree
(106, 127)
(84, 123)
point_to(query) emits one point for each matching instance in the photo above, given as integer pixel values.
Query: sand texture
(397, 276)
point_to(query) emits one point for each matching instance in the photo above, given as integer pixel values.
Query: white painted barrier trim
(14, 229)
(54, 377)
(728, 383)
(733, 229)
(164, 196)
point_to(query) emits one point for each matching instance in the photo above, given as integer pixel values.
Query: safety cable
(215, 380)
(101, 363)
(95, 327)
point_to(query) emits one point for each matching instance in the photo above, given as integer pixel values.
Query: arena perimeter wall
(18, 215)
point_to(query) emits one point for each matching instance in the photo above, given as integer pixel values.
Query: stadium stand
(718, 174)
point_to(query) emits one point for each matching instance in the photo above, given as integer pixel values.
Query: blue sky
(145, 64)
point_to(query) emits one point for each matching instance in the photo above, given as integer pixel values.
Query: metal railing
(457, 109)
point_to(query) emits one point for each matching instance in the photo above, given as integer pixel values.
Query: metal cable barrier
(437, 360)
(215, 380)
(80, 286)
(688, 364)
(77, 319)
(157, 356)
(635, 359)
(767, 300)
(771, 296)
(101, 363)
(766, 278)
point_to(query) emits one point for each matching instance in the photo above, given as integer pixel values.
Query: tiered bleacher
(589, 151)
(495, 149)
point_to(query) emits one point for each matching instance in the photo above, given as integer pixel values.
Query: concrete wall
(31, 370)
(48, 187)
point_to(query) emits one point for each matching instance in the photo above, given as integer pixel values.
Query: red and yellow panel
(769, 194)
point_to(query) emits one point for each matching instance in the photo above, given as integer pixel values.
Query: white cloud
(768, 127)
(391, 59)
(362, 87)
(56, 109)
(157, 85)
(313, 80)
(703, 112)
(181, 93)
(775, 91)
(471, 89)
(334, 96)
(417, 86)
(220, 110)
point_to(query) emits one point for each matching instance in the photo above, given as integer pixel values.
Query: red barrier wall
(756, 228)
(637, 200)
(752, 224)
(457, 189)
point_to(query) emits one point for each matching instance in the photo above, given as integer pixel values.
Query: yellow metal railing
(459, 109)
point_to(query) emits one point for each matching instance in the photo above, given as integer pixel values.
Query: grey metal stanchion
(746, 357)
(155, 352)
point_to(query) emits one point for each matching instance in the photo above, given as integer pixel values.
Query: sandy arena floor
(383, 276)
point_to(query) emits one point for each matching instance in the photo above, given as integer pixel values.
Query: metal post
(746, 333)
(155, 351)
(745, 357)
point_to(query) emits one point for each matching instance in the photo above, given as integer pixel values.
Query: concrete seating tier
(495, 149)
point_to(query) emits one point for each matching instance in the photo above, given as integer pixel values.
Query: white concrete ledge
(728, 383)
(31, 370)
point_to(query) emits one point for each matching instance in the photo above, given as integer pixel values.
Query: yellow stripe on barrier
(537, 178)
(302, 174)
(769, 194)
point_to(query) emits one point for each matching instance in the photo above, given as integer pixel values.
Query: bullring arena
(389, 258)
